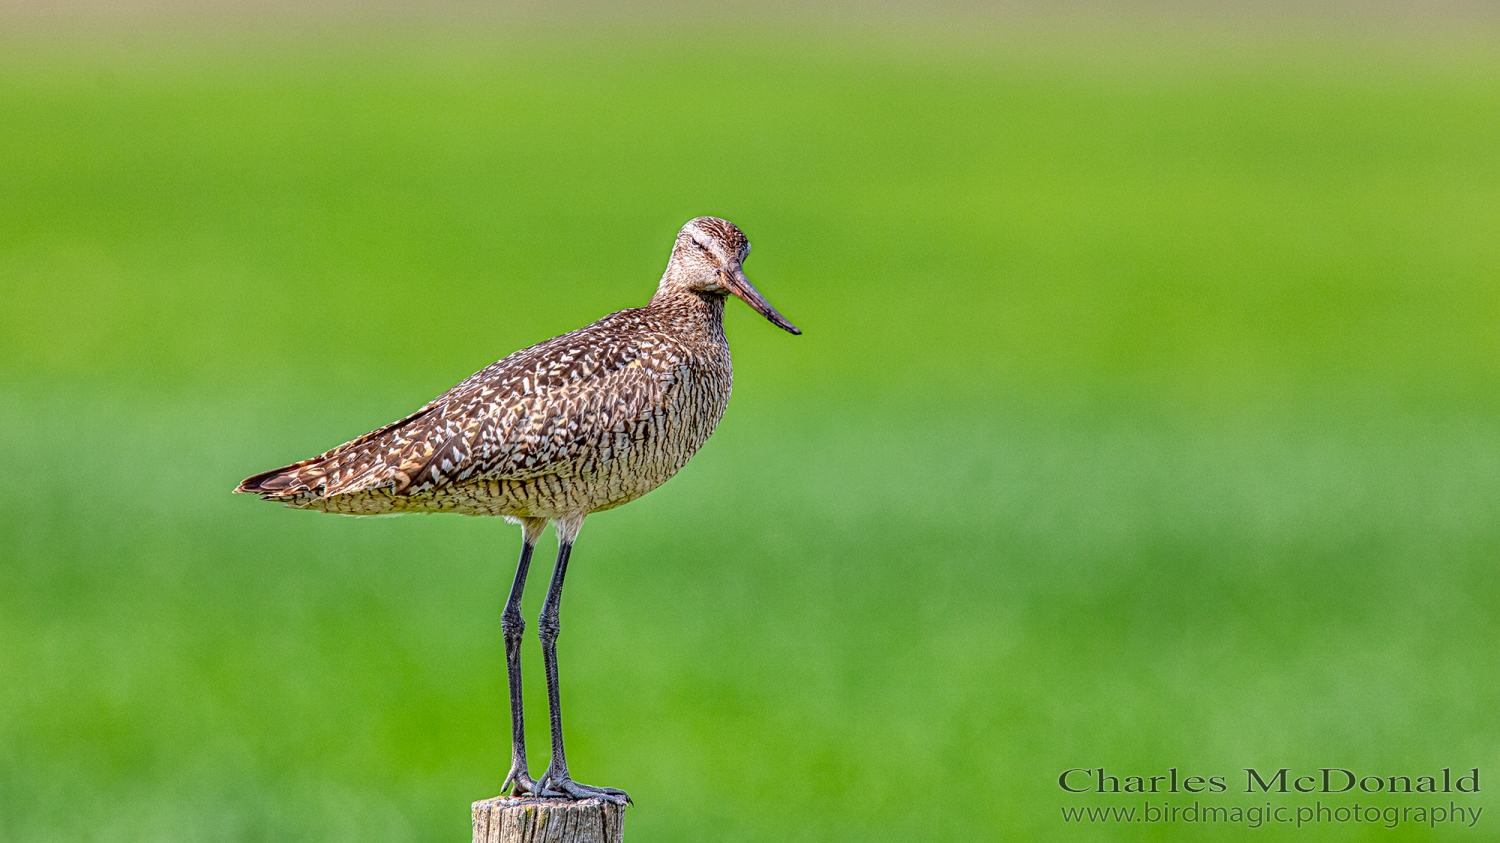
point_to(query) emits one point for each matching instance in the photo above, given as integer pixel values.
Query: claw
(564, 787)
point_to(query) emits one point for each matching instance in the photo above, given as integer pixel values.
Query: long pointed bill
(736, 282)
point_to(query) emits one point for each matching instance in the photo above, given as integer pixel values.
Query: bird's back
(582, 422)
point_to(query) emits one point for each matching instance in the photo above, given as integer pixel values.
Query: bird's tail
(289, 481)
(354, 466)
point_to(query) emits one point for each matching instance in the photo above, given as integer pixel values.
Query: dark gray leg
(514, 627)
(556, 781)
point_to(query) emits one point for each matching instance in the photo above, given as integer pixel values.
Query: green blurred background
(1146, 414)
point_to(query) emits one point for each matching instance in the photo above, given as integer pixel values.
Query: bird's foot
(524, 784)
(555, 785)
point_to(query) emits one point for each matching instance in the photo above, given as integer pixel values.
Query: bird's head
(708, 258)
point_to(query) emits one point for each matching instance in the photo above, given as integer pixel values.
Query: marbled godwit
(578, 424)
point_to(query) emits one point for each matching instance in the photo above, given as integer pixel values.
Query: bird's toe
(565, 787)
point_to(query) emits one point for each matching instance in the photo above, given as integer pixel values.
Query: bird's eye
(701, 247)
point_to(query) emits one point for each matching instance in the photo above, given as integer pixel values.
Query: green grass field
(1146, 417)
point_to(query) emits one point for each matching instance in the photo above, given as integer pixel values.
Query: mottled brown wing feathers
(536, 412)
(310, 475)
(425, 466)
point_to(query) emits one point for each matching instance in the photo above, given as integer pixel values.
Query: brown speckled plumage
(580, 423)
(577, 424)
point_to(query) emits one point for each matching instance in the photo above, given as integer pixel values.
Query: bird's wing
(565, 428)
(547, 409)
(545, 416)
(351, 459)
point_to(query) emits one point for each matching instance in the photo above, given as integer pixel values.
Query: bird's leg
(556, 781)
(513, 625)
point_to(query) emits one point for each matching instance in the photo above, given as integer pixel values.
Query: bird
(581, 423)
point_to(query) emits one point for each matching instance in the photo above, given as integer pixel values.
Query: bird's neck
(689, 305)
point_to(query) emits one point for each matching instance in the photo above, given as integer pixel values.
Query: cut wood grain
(506, 819)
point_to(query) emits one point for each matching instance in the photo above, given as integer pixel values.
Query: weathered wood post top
(527, 819)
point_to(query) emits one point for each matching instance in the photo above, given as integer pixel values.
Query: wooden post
(527, 819)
